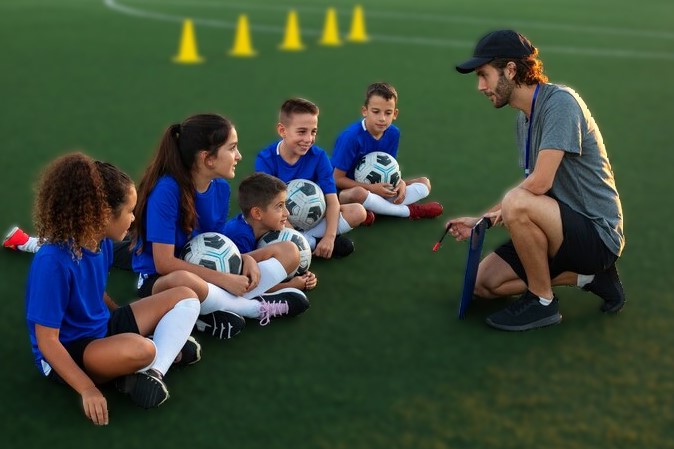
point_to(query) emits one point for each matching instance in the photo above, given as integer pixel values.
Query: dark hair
(76, 197)
(528, 71)
(116, 184)
(384, 90)
(296, 106)
(258, 190)
(175, 157)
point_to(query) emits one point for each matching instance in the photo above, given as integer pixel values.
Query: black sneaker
(608, 287)
(284, 302)
(147, 389)
(189, 354)
(221, 324)
(343, 247)
(526, 313)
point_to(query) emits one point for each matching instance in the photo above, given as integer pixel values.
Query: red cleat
(14, 238)
(369, 218)
(426, 210)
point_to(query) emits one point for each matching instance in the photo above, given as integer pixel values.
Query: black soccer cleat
(285, 302)
(146, 389)
(221, 324)
(190, 353)
(343, 247)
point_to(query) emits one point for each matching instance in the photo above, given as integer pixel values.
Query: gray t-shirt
(584, 180)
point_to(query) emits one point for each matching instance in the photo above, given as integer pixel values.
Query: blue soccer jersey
(356, 141)
(67, 294)
(162, 218)
(314, 166)
(241, 234)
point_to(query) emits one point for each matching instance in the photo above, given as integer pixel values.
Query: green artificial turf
(380, 360)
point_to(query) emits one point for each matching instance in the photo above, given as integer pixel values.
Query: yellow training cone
(358, 33)
(292, 40)
(242, 46)
(188, 53)
(331, 32)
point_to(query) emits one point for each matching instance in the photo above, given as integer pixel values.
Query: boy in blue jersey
(376, 132)
(262, 199)
(296, 157)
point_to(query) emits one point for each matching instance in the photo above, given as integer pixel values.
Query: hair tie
(175, 130)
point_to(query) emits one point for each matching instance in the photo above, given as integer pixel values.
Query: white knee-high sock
(172, 331)
(318, 231)
(382, 206)
(220, 299)
(271, 273)
(415, 192)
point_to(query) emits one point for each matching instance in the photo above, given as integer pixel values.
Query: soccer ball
(292, 235)
(215, 251)
(377, 167)
(306, 204)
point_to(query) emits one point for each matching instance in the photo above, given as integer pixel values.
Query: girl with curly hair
(79, 336)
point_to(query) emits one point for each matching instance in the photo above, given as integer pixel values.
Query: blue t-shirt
(314, 166)
(241, 234)
(67, 294)
(162, 218)
(356, 141)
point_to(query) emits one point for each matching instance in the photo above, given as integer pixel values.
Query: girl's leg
(170, 317)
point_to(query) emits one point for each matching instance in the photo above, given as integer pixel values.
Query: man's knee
(514, 203)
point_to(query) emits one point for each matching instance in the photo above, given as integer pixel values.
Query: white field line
(416, 40)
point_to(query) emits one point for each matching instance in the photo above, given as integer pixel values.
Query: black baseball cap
(497, 44)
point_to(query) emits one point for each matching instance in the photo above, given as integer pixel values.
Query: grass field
(379, 361)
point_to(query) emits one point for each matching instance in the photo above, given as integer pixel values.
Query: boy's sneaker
(14, 238)
(369, 218)
(343, 247)
(426, 210)
(147, 389)
(189, 354)
(221, 324)
(608, 287)
(526, 313)
(284, 302)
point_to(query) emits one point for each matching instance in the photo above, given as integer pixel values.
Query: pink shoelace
(269, 310)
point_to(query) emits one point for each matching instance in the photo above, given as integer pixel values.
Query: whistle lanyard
(528, 143)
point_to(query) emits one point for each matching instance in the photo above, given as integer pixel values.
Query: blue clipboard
(472, 262)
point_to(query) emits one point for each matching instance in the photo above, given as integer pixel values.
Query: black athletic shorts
(121, 320)
(122, 254)
(582, 250)
(145, 284)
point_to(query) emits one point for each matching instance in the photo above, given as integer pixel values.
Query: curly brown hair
(117, 185)
(529, 70)
(70, 204)
(75, 200)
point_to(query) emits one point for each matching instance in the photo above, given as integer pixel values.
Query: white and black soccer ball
(215, 251)
(292, 235)
(377, 167)
(305, 203)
